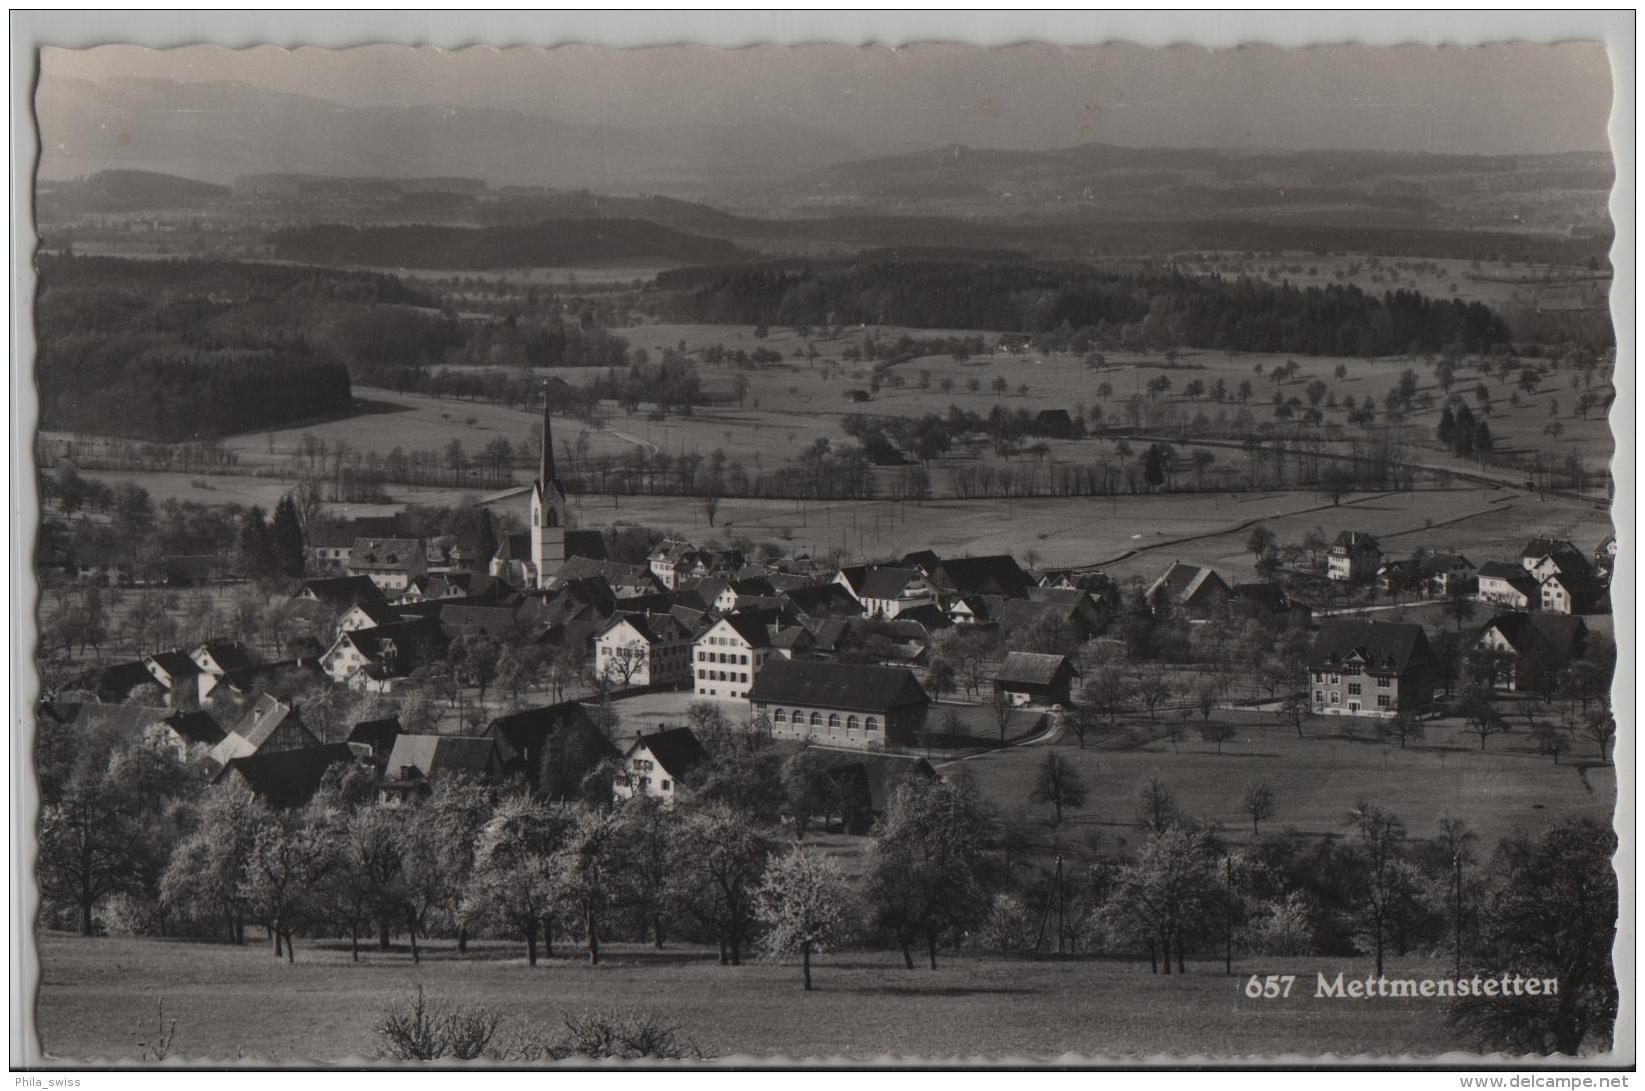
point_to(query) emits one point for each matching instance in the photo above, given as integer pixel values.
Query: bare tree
(1259, 803)
(1057, 784)
(1154, 688)
(1218, 733)
(1404, 725)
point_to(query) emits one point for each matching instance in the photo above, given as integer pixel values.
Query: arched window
(779, 717)
(851, 723)
(833, 721)
(816, 719)
(873, 724)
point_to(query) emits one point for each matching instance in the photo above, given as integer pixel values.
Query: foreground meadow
(97, 1002)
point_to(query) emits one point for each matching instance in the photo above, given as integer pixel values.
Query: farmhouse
(287, 778)
(1570, 593)
(1198, 592)
(1034, 678)
(992, 574)
(1055, 423)
(394, 651)
(390, 563)
(340, 592)
(418, 760)
(1544, 557)
(1354, 556)
(1605, 555)
(886, 592)
(1505, 584)
(113, 563)
(193, 728)
(379, 735)
(654, 764)
(1369, 668)
(267, 726)
(1532, 645)
(670, 560)
(530, 741)
(643, 650)
(839, 703)
(178, 675)
(115, 684)
(729, 653)
(861, 783)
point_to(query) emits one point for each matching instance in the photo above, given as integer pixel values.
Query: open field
(1317, 778)
(97, 999)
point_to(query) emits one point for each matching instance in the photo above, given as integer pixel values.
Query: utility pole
(1228, 924)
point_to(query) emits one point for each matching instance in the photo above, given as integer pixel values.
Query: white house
(728, 654)
(643, 650)
(654, 764)
(1354, 556)
(886, 592)
(1510, 585)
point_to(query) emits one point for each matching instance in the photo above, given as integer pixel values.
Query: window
(1353, 689)
(702, 675)
(1382, 681)
(1319, 697)
(1336, 679)
(744, 660)
(664, 785)
(833, 721)
(1336, 698)
(779, 717)
(851, 723)
(1383, 701)
(873, 724)
(816, 719)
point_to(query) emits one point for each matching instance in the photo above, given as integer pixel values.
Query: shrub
(416, 1029)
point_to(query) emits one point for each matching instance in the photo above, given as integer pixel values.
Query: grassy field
(1316, 778)
(97, 1000)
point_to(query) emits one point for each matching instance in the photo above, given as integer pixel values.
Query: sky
(1504, 99)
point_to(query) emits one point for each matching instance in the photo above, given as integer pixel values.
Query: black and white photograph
(1099, 554)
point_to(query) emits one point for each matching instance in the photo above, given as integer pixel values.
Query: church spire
(546, 469)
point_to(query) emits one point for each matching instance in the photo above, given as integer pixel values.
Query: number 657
(1272, 987)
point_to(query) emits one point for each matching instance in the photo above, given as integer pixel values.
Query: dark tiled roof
(836, 685)
(827, 600)
(1033, 668)
(751, 627)
(996, 574)
(343, 591)
(886, 583)
(1384, 645)
(175, 663)
(124, 677)
(288, 778)
(196, 727)
(675, 749)
(391, 553)
(585, 543)
(1561, 635)
(873, 777)
(1506, 570)
(434, 755)
(1355, 540)
(231, 655)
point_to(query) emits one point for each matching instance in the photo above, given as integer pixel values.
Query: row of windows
(721, 657)
(723, 676)
(780, 716)
(1383, 699)
(1383, 680)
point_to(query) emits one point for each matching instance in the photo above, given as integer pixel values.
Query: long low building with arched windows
(841, 704)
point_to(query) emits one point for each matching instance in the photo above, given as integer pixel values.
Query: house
(1503, 584)
(1035, 678)
(367, 615)
(395, 650)
(991, 574)
(379, 735)
(1354, 557)
(287, 778)
(340, 592)
(417, 761)
(707, 593)
(222, 657)
(328, 546)
(176, 673)
(1370, 668)
(654, 764)
(822, 600)
(116, 684)
(669, 560)
(1544, 557)
(1605, 556)
(269, 725)
(643, 649)
(1263, 598)
(550, 747)
(1570, 593)
(841, 704)
(1532, 645)
(1198, 592)
(886, 592)
(729, 653)
(512, 561)
(1055, 423)
(193, 728)
(860, 784)
(112, 563)
(390, 563)
(625, 580)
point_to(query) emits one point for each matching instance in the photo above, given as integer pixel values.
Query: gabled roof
(342, 591)
(887, 583)
(670, 551)
(196, 727)
(825, 600)
(175, 663)
(376, 733)
(1381, 645)
(994, 574)
(652, 628)
(287, 778)
(1355, 540)
(1560, 635)
(675, 749)
(261, 720)
(925, 560)
(1265, 596)
(853, 575)
(1033, 668)
(1187, 582)
(406, 635)
(1434, 564)
(231, 655)
(122, 678)
(390, 553)
(872, 776)
(751, 627)
(433, 755)
(491, 620)
(704, 592)
(528, 729)
(837, 685)
(614, 573)
(1506, 570)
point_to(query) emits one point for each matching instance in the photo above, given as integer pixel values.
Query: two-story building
(839, 704)
(1354, 557)
(1503, 584)
(1199, 592)
(645, 649)
(728, 654)
(654, 764)
(886, 592)
(1370, 668)
(1531, 646)
(390, 563)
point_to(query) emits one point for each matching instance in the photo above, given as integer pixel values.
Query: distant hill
(549, 242)
(129, 191)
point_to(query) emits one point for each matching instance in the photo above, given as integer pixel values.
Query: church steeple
(548, 509)
(545, 471)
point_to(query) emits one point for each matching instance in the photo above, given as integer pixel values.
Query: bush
(629, 1035)
(416, 1029)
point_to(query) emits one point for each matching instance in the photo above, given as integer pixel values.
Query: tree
(1107, 693)
(365, 884)
(1480, 714)
(1260, 803)
(801, 900)
(286, 539)
(1154, 688)
(1551, 911)
(1404, 725)
(582, 870)
(744, 772)
(1386, 882)
(647, 864)
(1057, 784)
(1168, 894)
(1600, 728)
(1296, 711)
(1260, 541)
(510, 882)
(1218, 733)
(290, 860)
(925, 864)
(724, 856)
(255, 546)
(1458, 605)
(204, 876)
(1157, 809)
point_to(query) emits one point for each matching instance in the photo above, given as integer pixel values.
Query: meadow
(97, 1001)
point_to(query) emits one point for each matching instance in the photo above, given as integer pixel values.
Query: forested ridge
(549, 242)
(1155, 308)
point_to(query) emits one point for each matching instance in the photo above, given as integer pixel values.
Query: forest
(549, 242)
(1155, 308)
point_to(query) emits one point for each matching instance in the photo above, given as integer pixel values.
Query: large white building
(728, 654)
(643, 650)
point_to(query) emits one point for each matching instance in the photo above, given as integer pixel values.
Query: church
(534, 558)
